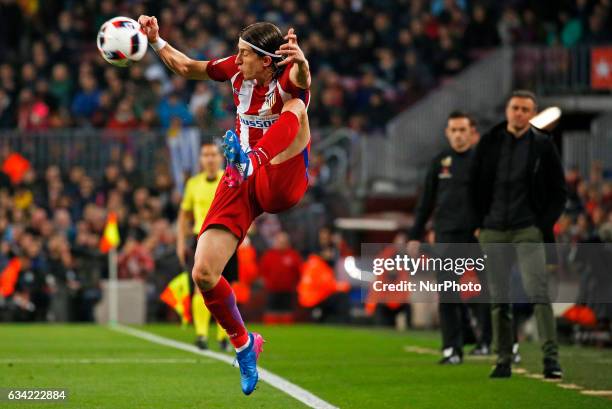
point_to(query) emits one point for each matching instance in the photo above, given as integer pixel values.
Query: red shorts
(272, 189)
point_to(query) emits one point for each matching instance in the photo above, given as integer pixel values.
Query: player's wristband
(159, 44)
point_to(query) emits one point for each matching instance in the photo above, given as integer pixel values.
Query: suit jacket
(547, 191)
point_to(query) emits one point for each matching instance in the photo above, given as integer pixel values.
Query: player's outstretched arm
(300, 71)
(178, 62)
(182, 65)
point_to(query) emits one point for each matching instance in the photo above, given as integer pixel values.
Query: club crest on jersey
(445, 171)
(271, 98)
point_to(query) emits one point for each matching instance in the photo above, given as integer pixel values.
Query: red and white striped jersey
(257, 107)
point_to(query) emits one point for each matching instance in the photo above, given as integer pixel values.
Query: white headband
(260, 50)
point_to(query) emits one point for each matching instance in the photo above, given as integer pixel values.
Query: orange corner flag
(178, 296)
(110, 238)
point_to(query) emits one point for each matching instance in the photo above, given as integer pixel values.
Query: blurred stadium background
(80, 138)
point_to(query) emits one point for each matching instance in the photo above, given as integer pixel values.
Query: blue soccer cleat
(247, 360)
(238, 162)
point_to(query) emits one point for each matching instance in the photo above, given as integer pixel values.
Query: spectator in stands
(448, 57)
(605, 231)
(135, 261)
(387, 306)
(201, 98)
(597, 33)
(480, 32)
(5, 182)
(33, 113)
(124, 117)
(104, 111)
(327, 248)
(319, 175)
(571, 29)
(6, 110)
(87, 100)
(131, 172)
(508, 27)
(280, 269)
(574, 202)
(173, 108)
(531, 30)
(61, 85)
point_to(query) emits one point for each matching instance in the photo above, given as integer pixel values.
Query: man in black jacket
(445, 198)
(518, 193)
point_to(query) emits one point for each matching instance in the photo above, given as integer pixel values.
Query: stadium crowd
(52, 223)
(365, 56)
(588, 216)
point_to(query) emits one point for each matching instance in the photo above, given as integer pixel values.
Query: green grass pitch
(346, 366)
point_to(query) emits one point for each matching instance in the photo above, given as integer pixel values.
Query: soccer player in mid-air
(267, 159)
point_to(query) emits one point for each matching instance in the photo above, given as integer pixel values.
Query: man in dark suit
(518, 192)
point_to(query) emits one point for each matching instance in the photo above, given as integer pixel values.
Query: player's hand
(149, 27)
(291, 50)
(414, 247)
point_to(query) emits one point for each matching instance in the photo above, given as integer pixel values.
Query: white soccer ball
(121, 41)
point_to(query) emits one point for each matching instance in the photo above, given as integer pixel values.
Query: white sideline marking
(597, 393)
(429, 351)
(420, 350)
(523, 372)
(276, 381)
(571, 386)
(534, 375)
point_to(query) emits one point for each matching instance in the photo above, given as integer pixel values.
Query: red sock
(275, 140)
(221, 303)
